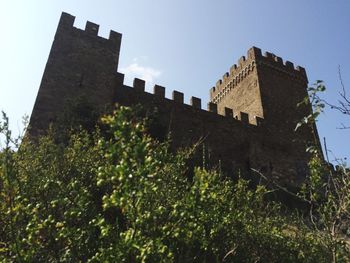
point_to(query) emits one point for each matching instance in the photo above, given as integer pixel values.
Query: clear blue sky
(183, 45)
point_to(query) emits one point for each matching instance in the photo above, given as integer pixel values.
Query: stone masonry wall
(80, 64)
(236, 145)
(238, 132)
(239, 89)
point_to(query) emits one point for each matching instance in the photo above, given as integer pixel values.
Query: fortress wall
(189, 124)
(263, 85)
(80, 63)
(249, 122)
(241, 92)
(257, 73)
(238, 89)
(283, 87)
(236, 144)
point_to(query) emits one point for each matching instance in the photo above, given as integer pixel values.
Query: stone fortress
(249, 123)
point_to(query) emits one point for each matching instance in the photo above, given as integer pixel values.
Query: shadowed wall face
(80, 64)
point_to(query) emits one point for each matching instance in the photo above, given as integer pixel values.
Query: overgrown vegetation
(123, 197)
(327, 190)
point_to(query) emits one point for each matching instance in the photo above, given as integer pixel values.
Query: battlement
(66, 23)
(248, 123)
(177, 100)
(245, 65)
(278, 64)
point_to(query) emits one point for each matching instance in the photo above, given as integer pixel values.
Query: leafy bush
(124, 197)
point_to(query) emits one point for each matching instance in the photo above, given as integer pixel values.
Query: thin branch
(341, 82)
(343, 127)
(279, 186)
(232, 251)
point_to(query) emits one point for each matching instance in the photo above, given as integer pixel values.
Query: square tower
(264, 87)
(80, 62)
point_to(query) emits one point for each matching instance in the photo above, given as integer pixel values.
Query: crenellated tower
(263, 87)
(239, 90)
(80, 63)
(249, 124)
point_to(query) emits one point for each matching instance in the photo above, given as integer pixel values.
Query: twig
(232, 251)
(280, 187)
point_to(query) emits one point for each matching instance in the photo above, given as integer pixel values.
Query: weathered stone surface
(80, 63)
(250, 119)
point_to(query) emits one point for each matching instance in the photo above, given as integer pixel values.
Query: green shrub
(124, 197)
